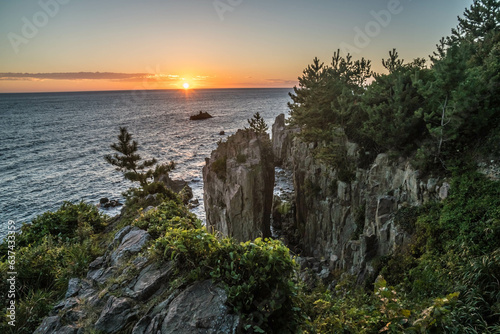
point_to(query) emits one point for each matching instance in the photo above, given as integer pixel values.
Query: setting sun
(185, 85)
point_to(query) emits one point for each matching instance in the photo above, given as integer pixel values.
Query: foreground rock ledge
(238, 186)
(125, 292)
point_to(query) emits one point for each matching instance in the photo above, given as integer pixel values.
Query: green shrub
(241, 158)
(55, 247)
(258, 279)
(406, 218)
(311, 189)
(284, 208)
(64, 223)
(169, 214)
(219, 167)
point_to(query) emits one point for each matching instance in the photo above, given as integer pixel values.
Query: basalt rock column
(238, 186)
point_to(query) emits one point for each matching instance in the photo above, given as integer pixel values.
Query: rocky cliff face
(238, 186)
(282, 141)
(127, 292)
(349, 224)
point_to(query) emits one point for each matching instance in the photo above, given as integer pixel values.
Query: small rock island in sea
(200, 116)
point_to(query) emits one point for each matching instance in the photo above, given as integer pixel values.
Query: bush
(241, 158)
(168, 215)
(258, 278)
(64, 223)
(257, 275)
(55, 247)
(219, 167)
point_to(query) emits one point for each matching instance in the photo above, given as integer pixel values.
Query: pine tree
(324, 96)
(257, 124)
(462, 99)
(392, 103)
(481, 19)
(127, 161)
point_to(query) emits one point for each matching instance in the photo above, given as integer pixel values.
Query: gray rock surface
(49, 325)
(238, 186)
(112, 299)
(199, 309)
(350, 224)
(149, 280)
(115, 315)
(282, 141)
(131, 243)
(74, 285)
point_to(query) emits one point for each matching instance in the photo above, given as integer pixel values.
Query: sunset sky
(78, 45)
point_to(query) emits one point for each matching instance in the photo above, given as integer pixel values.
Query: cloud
(282, 81)
(201, 77)
(128, 77)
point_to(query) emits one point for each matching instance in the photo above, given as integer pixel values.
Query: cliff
(350, 224)
(238, 186)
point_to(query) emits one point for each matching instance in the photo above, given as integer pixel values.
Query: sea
(52, 145)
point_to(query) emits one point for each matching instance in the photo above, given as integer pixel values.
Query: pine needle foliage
(128, 161)
(257, 124)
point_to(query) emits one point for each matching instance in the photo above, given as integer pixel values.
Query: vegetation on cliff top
(435, 113)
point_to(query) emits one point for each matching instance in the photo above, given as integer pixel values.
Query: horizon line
(134, 90)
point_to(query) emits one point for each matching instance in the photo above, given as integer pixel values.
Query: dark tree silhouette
(127, 161)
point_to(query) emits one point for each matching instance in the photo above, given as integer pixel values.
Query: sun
(185, 85)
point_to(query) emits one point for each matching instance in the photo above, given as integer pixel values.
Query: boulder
(49, 325)
(67, 330)
(131, 243)
(178, 186)
(200, 309)
(115, 315)
(106, 203)
(118, 288)
(444, 190)
(73, 287)
(149, 281)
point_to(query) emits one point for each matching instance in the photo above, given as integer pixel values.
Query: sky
(80, 45)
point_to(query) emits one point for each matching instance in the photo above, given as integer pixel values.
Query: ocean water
(52, 145)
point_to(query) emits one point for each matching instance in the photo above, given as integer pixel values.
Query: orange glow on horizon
(151, 81)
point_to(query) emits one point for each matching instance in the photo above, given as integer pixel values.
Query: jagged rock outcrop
(180, 187)
(125, 291)
(238, 186)
(282, 141)
(351, 223)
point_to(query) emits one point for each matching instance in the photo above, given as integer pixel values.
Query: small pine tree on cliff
(257, 124)
(127, 161)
